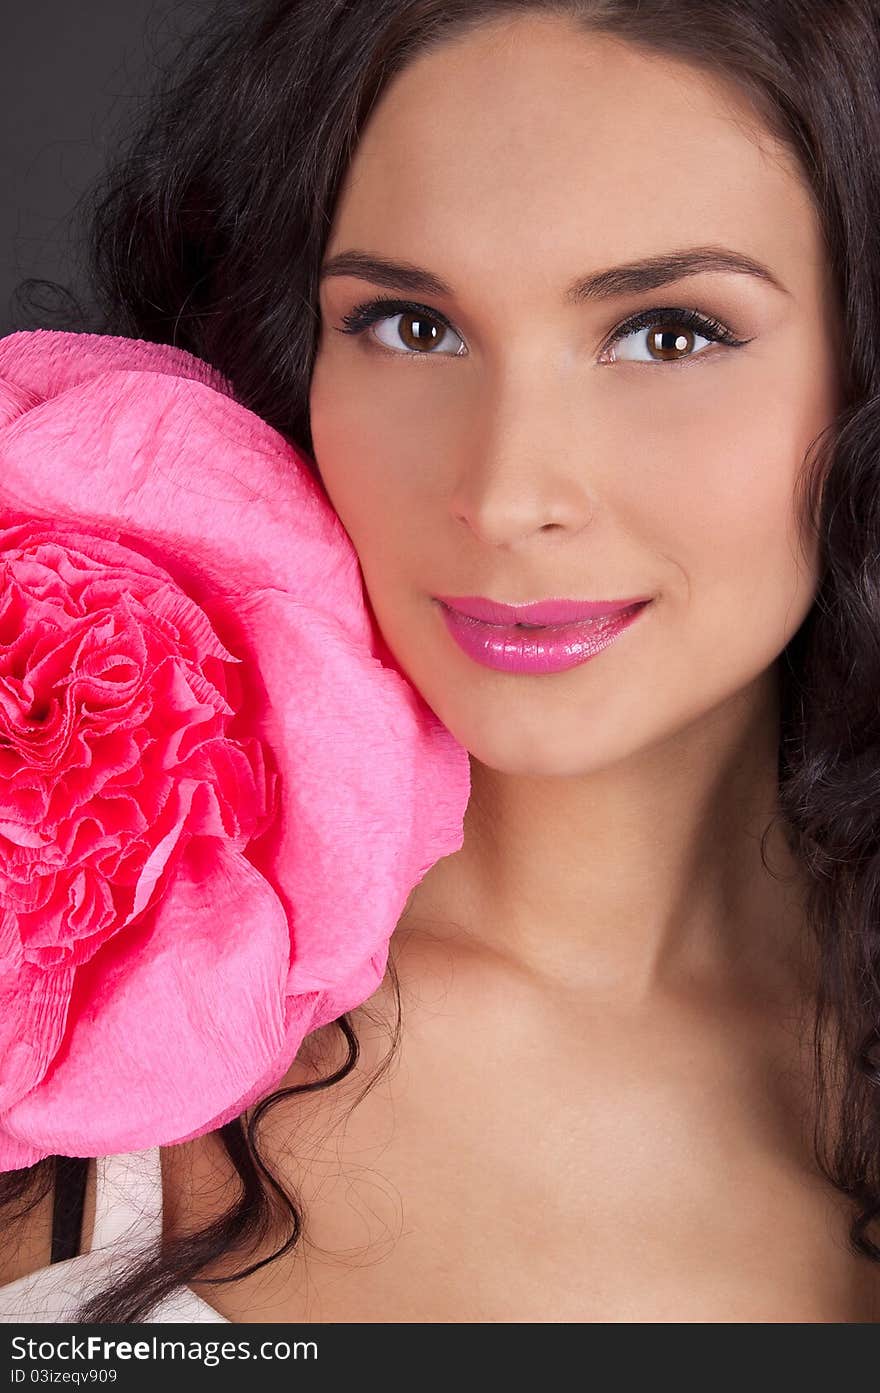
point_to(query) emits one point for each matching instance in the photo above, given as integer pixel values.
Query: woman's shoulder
(26, 1240)
(127, 1223)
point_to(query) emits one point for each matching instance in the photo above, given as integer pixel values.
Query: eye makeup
(369, 312)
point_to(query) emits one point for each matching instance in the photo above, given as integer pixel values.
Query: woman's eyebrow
(628, 279)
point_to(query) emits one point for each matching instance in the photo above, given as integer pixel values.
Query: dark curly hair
(208, 232)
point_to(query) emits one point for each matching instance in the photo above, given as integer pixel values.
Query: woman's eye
(416, 332)
(670, 340)
(405, 330)
(664, 335)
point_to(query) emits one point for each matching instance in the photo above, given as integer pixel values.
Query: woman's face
(502, 442)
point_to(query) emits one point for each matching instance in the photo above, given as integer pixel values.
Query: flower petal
(375, 786)
(33, 1014)
(16, 1155)
(171, 1021)
(263, 930)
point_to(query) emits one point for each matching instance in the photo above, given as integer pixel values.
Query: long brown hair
(208, 232)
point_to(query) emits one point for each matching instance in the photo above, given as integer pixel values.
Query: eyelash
(361, 316)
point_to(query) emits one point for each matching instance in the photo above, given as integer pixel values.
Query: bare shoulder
(27, 1238)
(26, 1244)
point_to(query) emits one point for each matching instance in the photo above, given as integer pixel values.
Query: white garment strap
(128, 1200)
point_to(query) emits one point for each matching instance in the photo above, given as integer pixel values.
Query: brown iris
(426, 332)
(668, 344)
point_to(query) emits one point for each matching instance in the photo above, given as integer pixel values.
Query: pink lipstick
(547, 636)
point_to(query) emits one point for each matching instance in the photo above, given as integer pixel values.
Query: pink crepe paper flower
(217, 788)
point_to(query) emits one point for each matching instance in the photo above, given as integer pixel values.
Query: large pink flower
(217, 789)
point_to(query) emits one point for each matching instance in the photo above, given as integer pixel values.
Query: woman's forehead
(567, 146)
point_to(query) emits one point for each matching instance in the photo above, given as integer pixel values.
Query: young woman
(636, 1019)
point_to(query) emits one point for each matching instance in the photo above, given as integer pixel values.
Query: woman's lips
(540, 613)
(543, 649)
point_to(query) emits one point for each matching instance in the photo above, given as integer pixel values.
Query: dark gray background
(70, 72)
